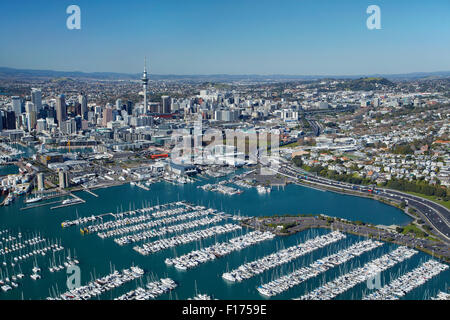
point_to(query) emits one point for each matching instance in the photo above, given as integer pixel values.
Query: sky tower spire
(145, 83)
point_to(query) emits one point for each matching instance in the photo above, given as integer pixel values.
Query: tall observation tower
(145, 83)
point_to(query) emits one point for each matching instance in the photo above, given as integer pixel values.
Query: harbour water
(8, 169)
(97, 255)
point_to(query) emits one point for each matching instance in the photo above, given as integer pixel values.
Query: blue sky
(301, 37)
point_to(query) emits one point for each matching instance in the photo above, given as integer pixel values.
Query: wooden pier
(140, 185)
(39, 205)
(91, 193)
(78, 201)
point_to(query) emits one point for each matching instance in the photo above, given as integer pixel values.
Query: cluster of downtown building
(124, 125)
(74, 113)
(38, 115)
(61, 115)
(52, 115)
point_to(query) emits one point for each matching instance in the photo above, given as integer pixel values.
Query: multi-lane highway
(315, 127)
(437, 215)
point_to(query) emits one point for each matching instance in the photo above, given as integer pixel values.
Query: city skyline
(236, 37)
(244, 151)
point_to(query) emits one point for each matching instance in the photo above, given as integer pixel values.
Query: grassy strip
(432, 198)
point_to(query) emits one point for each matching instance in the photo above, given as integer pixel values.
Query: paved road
(313, 222)
(315, 127)
(437, 215)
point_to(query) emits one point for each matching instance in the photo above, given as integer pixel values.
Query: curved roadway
(436, 214)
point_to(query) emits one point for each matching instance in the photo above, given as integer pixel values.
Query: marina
(263, 190)
(9, 153)
(163, 244)
(177, 204)
(201, 297)
(343, 283)
(17, 248)
(158, 232)
(320, 266)
(151, 291)
(164, 230)
(101, 285)
(442, 296)
(254, 268)
(221, 188)
(408, 282)
(218, 250)
(122, 218)
(23, 254)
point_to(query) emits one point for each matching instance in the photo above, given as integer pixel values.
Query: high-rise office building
(36, 98)
(16, 105)
(107, 116)
(154, 107)
(61, 109)
(166, 103)
(63, 179)
(40, 181)
(30, 109)
(226, 115)
(119, 104)
(41, 125)
(10, 120)
(68, 126)
(82, 99)
(130, 107)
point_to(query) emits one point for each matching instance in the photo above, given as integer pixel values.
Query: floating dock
(77, 200)
(142, 186)
(39, 205)
(91, 193)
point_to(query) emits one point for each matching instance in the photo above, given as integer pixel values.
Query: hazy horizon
(291, 37)
(230, 74)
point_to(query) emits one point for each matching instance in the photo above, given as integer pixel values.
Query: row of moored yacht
(152, 290)
(155, 223)
(318, 267)
(442, 296)
(196, 257)
(18, 249)
(125, 221)
(102, 285)
(347, 281)
(11, 243)
(168, 229)
(163, 244)
(120, 216)
(221, 188)
(409, 281)
(201, 297)
(284, 256)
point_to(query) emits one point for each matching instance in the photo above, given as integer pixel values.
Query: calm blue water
(96, 254)
(8, 169)
(73, 150)
(28, 151)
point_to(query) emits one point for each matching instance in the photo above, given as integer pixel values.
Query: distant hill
(46, 74)
(365, 84)
(11, 73)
